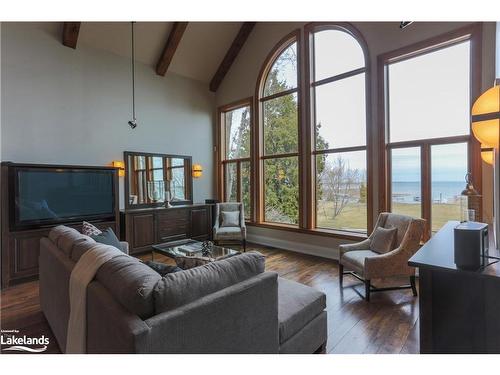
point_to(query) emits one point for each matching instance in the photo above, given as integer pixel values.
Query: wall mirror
(155, 180)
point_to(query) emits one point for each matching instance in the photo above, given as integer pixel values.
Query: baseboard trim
(298, 247)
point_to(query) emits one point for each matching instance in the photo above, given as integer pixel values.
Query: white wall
(381, 37)
(66, 106)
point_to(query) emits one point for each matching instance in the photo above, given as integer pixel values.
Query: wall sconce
(197, 170)
(121, 167)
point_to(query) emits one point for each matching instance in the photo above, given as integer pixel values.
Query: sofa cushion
(180, 288)
(64, 237)
(108, 237)
(131, 283)
(162, 268)
(81, 246)
(228, 206)
(355, 260)
(401, 222)
(229, 233)
(383, 240)
(90, 229)
(298, 304)
(230, 219)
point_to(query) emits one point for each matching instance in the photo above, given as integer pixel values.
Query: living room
(328, 187)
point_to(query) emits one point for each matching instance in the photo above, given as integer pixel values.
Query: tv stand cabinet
(144, 227)
(20, 249)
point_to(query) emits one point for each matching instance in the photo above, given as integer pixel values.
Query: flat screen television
(46, 195)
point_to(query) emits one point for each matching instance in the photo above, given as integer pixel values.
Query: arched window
(279, 142)
(338, 81)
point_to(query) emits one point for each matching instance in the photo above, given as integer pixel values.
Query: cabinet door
(143, 229)
(491, 288)
(24, 253)
(200, 224)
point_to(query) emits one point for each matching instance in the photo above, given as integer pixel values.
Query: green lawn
(353, 217)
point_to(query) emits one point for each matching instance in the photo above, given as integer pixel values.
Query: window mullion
(238, 181)
(339, 77)
(425, 170)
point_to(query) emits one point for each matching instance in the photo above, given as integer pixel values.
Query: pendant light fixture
(485, 115)
(133, 123)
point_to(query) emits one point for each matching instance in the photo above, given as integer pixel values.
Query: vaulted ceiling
(199, 49)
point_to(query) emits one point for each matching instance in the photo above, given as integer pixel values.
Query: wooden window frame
(221, 160)
(306, 188)
(472, 33)
(259, 156)
(311, 152)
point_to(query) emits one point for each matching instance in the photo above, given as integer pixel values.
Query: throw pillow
(230, 218)
(383, 240)
(161, 268)
(108, 237)
(90, 230)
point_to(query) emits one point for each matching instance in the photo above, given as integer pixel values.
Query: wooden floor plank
(387, 324)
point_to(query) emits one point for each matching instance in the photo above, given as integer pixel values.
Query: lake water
(442, 191)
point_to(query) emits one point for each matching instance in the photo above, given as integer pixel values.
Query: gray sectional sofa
(229, 306)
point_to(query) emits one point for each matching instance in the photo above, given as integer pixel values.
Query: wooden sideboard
(145, 227)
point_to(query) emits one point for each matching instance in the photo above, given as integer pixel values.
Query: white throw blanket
(83, 273)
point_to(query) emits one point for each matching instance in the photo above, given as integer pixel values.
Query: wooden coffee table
(189, 253)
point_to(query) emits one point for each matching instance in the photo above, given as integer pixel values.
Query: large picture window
(339, 113)
(280, 138)
(427, 122)
(236, 152)
(307, 165)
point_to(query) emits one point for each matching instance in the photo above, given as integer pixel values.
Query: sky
(448, 163)
(429, 95)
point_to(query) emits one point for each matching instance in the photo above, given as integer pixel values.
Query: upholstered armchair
(365, 262)
(229, 232)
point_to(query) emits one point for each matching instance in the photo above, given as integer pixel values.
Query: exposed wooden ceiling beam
(173, 41)
(70, 34)
(231, 55)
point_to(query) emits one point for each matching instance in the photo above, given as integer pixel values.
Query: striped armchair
(223, 233)
(364, 263)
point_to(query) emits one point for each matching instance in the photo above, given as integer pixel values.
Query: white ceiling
(198, 56)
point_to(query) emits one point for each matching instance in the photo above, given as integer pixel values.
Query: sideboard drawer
(173, 229)
(173, 225)
(174, 215)
(145, 227)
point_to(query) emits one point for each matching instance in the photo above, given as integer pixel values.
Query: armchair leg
(367, 290)
(341, 274)
(244, 246)
(413, 285)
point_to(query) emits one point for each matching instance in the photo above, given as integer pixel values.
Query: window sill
(316, 232)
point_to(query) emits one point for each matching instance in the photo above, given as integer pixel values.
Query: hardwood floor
(386, 324)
